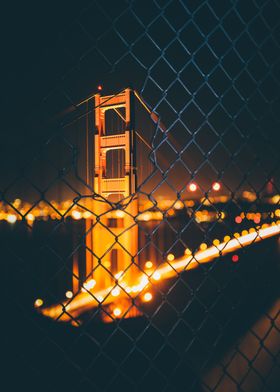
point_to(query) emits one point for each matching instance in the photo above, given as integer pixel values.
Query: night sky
(210, 70)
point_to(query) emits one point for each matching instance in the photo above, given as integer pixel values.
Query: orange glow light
(216, 186)
(170, 257)
(147, 297)
(69, 294)
(203, 246)
(156, 276)
(148, 264)
(76, 215)
(115, 292)
(117, 312)
(192, 187)
(11, 218)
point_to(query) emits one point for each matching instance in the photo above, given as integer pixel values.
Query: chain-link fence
(140, 200)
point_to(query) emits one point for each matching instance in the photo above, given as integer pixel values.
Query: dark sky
(210, 69)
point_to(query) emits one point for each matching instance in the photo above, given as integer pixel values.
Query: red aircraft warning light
(235, 258)
(216, 186)
(99, 87)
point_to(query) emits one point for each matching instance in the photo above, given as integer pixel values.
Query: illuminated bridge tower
(112, 235)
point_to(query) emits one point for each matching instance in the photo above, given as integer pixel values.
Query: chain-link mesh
(140, 232)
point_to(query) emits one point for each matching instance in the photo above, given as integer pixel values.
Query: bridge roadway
(89, 299)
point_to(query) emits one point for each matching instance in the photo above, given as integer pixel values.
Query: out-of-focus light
(30, 217)
(11, 218)
(192, 187)
(178, 205)
(99, 87)
(76, 215)
(144, 281)
(86, 214)
(17, 203)
(244, 232)
(216, 186)
(235, 258)
(117, 312)
(147, 297)
(148, 264)
(156, 276)
(236, 235)
(38, 303)
(170, 257)
(203, 246)
(116, 291)
(226, 238)
(107, 263)
(257, 219)
(90, 284)
(170, 212)
(119, 214)
(188, 252)
(119, 274)
(238, 219)
(216, 242)
(69, 294)
(146, 216)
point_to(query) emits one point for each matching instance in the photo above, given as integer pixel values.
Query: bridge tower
(112, 235)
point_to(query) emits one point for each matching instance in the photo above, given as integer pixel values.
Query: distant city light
(178, 205)
(117, 312)
(238, 219)
(38, 303)
(11, 218)
(76, 215)
(30, 217)
(216, 186)
(192, 187)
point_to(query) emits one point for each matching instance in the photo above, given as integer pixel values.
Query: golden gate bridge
(113, 276)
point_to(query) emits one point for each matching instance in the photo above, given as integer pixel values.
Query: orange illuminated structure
(111, 232)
